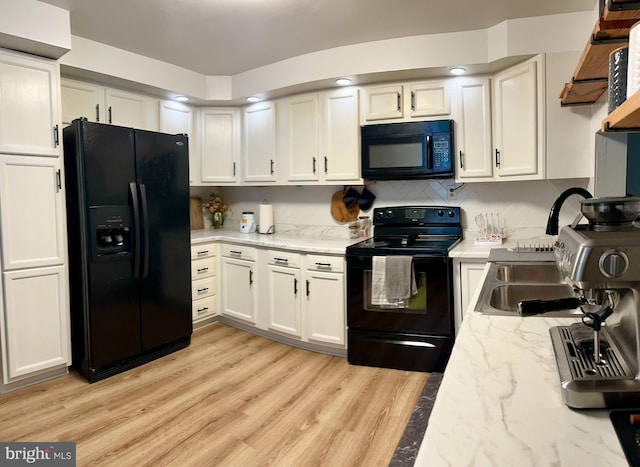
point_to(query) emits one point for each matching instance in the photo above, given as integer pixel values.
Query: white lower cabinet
(35, 301)
(284, 291)
(204, 281)
(324, 303)
(291, 296)
(239, 282)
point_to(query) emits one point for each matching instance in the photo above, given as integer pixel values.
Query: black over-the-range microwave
(398, 151)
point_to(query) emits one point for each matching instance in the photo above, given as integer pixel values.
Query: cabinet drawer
(282, 258)
(204, 287)
(325, 263)
(203, 268)
(203, 250)
(239, 252)
(205, 307)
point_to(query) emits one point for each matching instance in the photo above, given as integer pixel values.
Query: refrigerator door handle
(136, 225)
(145, 230)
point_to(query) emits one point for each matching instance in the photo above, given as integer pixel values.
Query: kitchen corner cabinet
(284, 287)
(259, 150)
(318, 137)
(467, 277)
(177, 118)
(239, 282)
(106, 105)
(406, 101)
(220, 142)
(30, 120)
(204, 281)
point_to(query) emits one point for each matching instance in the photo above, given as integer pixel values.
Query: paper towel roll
(266, 225)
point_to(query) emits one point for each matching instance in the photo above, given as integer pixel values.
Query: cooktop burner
(412, 230)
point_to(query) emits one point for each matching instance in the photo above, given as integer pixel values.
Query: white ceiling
(227, 37)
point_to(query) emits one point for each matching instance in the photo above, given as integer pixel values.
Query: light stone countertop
(500, 403)
(286, 241)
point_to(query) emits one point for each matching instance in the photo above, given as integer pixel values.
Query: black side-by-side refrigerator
(129, 246)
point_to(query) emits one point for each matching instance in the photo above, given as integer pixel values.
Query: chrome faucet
(554, 215)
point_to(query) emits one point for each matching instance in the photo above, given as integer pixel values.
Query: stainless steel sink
(507, 284)
(507, 297)
(530, 273)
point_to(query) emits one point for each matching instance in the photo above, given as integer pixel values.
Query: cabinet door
(340, 136)
(383, 102)
(81, 100)
(32, 213)
(131, 110)
(284, 300)
(467, 278)
(518, 111)
(300, 136)
(473, 128)
(324, 310)
(29, 105)
(238, 289)
(260, 143)
(36, 326)
(177, 118)
(429, 98)
(219, 145)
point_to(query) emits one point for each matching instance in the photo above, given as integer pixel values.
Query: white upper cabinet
(299, 137)
(424, 100)
(106, 105)
(177, 118)
(500, 134)
(131, 110)
(319, 137)
(340, 136)
(472, 119)
(219, 145)
(259, 162)
(82, 100)
(29, 105)
(518, 121)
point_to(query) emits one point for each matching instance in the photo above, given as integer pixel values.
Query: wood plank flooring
(229, 399)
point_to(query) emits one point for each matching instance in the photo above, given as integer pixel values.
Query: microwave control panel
(441, 150)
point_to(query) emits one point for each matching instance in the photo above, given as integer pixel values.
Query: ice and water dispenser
(111, 231)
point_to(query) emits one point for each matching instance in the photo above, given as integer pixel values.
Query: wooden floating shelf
(590, 77)
(621, 10)
(626, 117)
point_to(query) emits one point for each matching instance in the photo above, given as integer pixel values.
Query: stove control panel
(420, 215)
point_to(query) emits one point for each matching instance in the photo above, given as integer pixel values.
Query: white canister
(248, 222)
(633, 67)
(266, 219)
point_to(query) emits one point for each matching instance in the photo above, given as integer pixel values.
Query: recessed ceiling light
(253, 98)
(457, 70)
(182, 98)
(343, 81)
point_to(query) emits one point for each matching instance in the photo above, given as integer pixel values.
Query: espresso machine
(599, 358)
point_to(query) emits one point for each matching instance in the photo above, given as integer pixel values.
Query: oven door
(430, 311)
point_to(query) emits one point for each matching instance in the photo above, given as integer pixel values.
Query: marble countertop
(500, 403)
(306, 243)
(521, 238)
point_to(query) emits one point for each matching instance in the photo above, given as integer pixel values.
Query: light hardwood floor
(229, 399)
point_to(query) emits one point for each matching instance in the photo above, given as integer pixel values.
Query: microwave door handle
(429, 150)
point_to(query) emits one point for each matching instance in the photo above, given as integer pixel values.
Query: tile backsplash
(306, 209)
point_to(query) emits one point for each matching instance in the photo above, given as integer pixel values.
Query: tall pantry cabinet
(34, 308)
